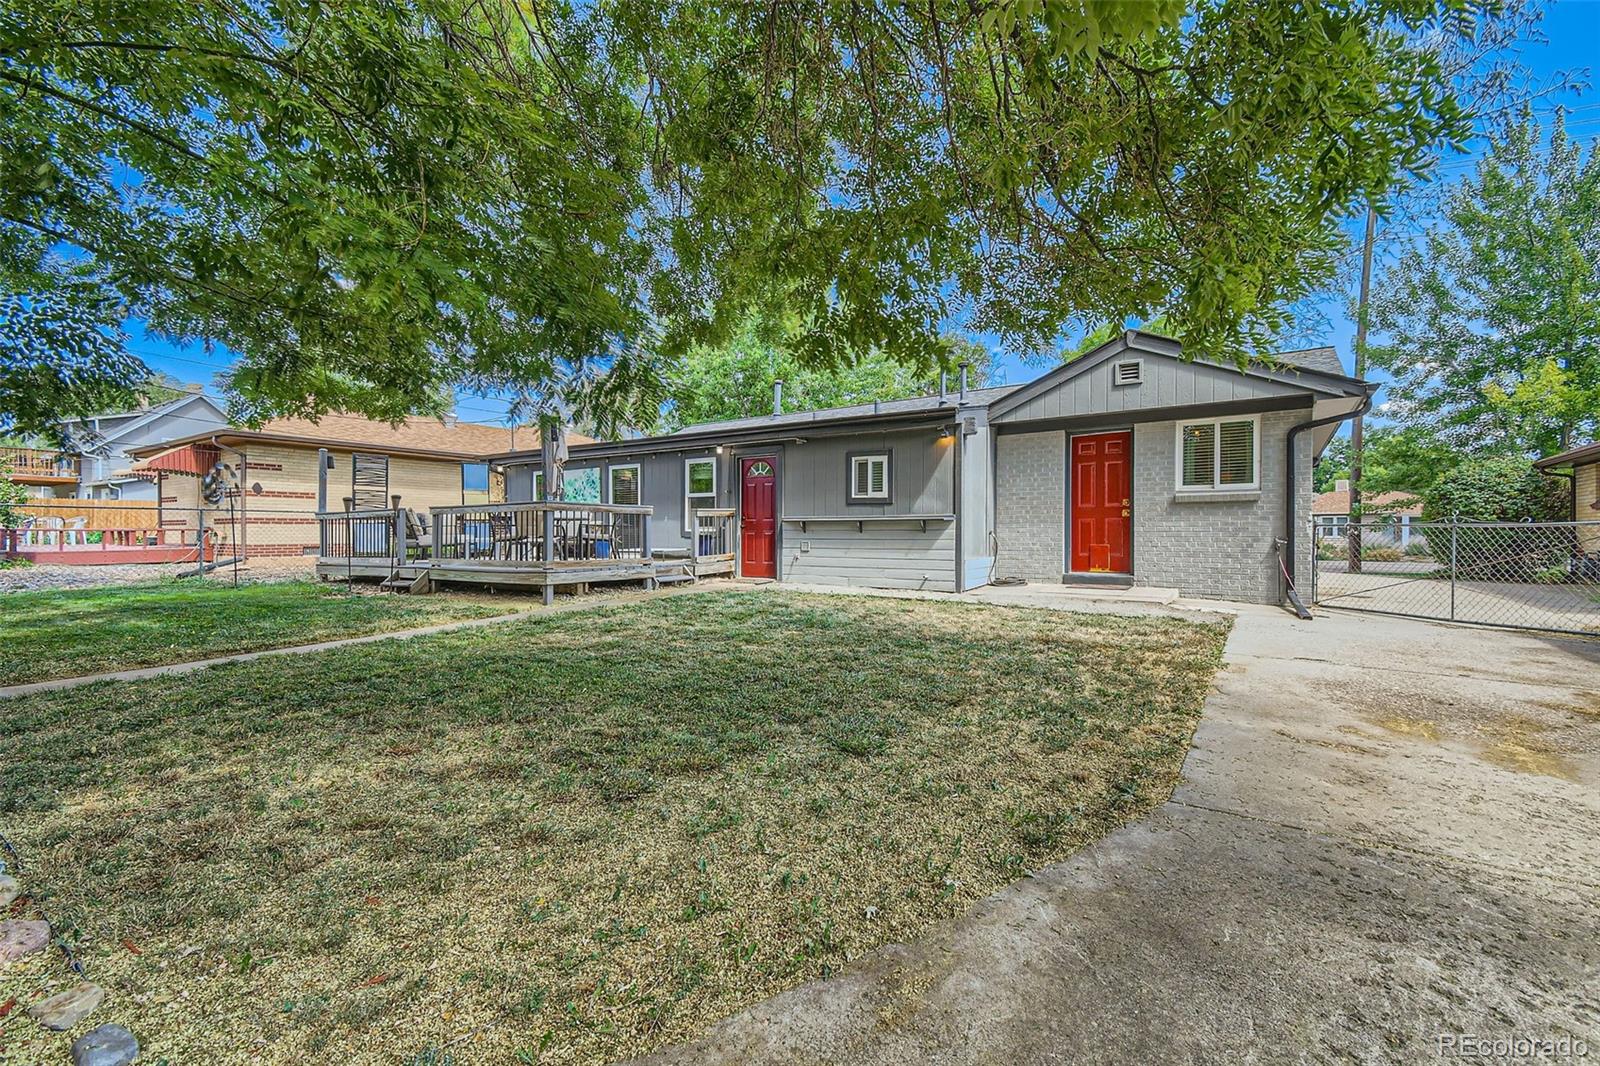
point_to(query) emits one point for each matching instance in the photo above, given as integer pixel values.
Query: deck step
(673, 579)
(419, 583)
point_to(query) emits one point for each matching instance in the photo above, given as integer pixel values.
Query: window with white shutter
(1219, 454)
(869, 478)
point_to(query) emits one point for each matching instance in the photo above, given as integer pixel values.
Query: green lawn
(67, 633)
(573, 838)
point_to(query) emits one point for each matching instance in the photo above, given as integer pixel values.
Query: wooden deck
(59, 546)
(542, 546)
(492, 572)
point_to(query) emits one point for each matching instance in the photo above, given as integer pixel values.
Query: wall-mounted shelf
(862, 520)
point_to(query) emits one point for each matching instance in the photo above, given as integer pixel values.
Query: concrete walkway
(1386, 835)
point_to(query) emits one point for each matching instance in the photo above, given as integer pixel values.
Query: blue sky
(1570, 27)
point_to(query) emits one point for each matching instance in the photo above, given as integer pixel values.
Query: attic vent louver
(1129, 373)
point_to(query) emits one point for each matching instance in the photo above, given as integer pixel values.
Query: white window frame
(638, 479)
(538, 486)
(488, 482)
(869, 496)
(1216, 485)
(689, 498)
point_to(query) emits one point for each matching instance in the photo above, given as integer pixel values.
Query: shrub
(12, 497)
(1504, 488)
(1508, 489)
(1416, 547)
(1381, 555)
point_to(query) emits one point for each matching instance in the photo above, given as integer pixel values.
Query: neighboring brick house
(1582, 466)
(424, 462)
(1330, 511)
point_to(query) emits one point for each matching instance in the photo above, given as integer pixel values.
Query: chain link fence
(73, 542)
(1522, 575)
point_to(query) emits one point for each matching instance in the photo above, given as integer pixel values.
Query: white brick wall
(1215, 549)
(1221, 549)
(1030, 521)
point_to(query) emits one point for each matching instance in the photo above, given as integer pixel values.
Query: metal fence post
(1311, 558)
(1455, 521)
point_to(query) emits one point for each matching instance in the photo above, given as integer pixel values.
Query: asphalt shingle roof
(860, 410)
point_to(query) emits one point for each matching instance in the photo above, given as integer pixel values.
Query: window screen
(1218, 453)
(1199, 455)
(625, 485)
(1236, 445)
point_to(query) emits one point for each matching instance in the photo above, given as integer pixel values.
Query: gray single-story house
(1129, 465)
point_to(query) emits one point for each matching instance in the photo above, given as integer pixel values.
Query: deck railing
(713, 532)
(37, 462)
(74, 545)
(358, 534)
(541, 533)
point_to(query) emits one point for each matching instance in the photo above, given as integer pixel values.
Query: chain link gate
(1519, 575)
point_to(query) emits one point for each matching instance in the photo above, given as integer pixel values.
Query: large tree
(376, 201)
(1493, 317)
(734, 379)
(1398, 459)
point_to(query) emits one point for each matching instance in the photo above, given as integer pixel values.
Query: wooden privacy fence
(98, 515)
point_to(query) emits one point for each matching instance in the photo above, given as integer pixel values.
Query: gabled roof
(127, 422)
(415, 436)
(1315, 370)
(1337, 502)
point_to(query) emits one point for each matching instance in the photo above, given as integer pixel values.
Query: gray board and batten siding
(908, 541)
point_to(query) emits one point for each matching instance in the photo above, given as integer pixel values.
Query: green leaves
(375, 204)
(1493, 316)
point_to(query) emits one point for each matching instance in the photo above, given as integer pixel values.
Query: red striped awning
(195, 460)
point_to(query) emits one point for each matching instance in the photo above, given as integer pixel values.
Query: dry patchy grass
(68, 633)
(574, 838)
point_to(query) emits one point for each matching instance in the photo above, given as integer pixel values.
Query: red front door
(1101, 523)
(758, 517)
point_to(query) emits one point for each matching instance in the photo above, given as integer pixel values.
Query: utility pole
(1353, 550)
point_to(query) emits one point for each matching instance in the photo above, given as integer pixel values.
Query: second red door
(758, 517)
(1101, 520)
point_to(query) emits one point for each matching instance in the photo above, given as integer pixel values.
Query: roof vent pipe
(877, 406)
(777, 397)
(944, 387)
(964, 366)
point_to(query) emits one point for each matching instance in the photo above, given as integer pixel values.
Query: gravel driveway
(53, 576)
(1386, 838)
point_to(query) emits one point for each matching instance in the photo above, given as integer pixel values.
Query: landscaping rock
(109, 1045)
(19, 939)
(10, 888)
(63, 1011)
